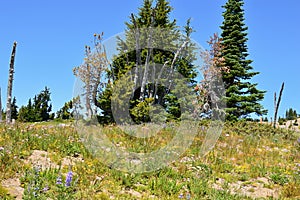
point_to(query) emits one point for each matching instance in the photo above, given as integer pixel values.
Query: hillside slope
(250, 160)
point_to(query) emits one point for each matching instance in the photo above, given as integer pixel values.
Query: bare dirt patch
(37, 158)
(254, 188)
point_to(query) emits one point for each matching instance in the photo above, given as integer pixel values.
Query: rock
(14, 188)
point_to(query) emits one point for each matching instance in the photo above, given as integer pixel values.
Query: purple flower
(298, 140)
(69, 179)
(58, 180)
(180, 196)
(45, 189)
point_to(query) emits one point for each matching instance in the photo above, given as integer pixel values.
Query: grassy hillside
(249, 161)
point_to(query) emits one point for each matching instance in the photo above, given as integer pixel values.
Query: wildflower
(69, 178)
(37, 170)
(298, 140)
(58, 180)
(188, 196)
(1, 148)
(180, 196)
(45, 189)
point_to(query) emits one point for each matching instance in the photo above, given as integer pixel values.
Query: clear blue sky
(51, 36)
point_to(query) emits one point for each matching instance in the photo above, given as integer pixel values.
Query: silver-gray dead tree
(10, 83)
(91, 73)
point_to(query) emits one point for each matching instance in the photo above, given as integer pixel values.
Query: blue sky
(51, 36)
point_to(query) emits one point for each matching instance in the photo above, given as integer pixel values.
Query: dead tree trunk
(138, 52)
(149, 52)
(88, 94)
(10, 83)
(277, 105)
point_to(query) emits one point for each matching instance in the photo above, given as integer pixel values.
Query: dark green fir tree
(14, 109)
(152, 43)
(242, 96)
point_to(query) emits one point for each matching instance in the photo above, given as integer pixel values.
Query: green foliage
(4, 193)
(66, 111)
(38, 110)
(135, 51)
(265, 119)
(244, 152)
(47, 183)
(281, 121)
(105, 101)
(291, 114)
(140, 112)
(242, 96)
(26, 113)
(279, 178)
(14, 109)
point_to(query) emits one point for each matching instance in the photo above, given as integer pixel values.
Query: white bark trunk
(145, 77)
(173, 62)
(138, 56)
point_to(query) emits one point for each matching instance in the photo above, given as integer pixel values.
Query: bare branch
(91, 73)
(174, 60)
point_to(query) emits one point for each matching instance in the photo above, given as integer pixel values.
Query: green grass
(245, 152)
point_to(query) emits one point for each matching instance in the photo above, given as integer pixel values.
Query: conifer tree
(14, 109)
(42, 105)
(39, 109)
(242, 96)
(152, 39)
(66, 111)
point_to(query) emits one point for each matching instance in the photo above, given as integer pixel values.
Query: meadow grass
(248, 158)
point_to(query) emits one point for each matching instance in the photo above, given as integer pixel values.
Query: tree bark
(149, 52)
(10, 83)
(173, 62)
(277, 105)
(88, 94)
(138, 52)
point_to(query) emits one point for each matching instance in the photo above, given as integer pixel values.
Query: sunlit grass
(245, 153)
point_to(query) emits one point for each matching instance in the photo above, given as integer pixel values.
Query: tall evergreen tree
(26, 113)
(14, 109)
(38, 110)
(291, 114)
(242, 96)
(42, 105)
(66, 111)
(152, 40)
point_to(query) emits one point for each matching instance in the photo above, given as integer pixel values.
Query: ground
(250, 160)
